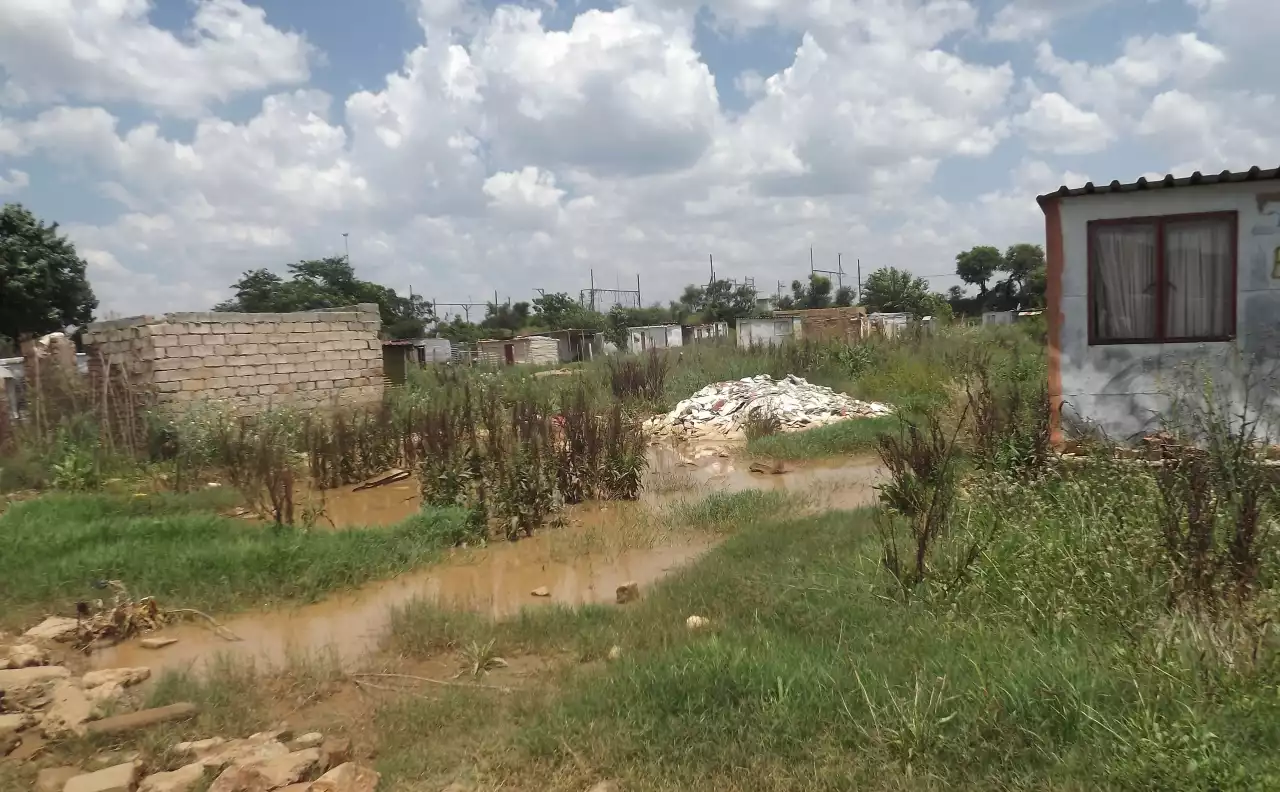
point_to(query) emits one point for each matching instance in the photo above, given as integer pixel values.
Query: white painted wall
(768, 332)
(1121, 388)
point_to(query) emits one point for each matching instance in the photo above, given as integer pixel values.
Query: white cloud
(1056, 125)
(108, 51)
(14, 183)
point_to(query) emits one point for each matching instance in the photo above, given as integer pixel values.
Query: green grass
(53, 548)
(857, 435)
(1045, 673)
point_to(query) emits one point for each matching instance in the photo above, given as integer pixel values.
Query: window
(1162, 279)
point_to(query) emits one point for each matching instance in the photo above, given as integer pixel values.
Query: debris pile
(723, 409)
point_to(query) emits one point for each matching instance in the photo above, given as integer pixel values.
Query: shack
(769, 332)
(640, 339)
(1151, 284)
(845, 323)
(577, 345)
(702, 333)
(527, 350)
(398, 357)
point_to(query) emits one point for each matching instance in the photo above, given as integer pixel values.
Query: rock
(8, 742)
(347, 777)
(118, 676)
(53, 779)
(143, 718)
(333, 752)
(303, 787)
(12, 724)
(70, 711)
(103, 694)
(180, 780)
(628, 592)
(605, 786)
(308, 740)
(239, 752)
(54, 628)
(110, 758)
(27, 655)
(157, 643)
(541, 591)
(121, 778)
(697, 622)
(615, 653)
(16, 679)
(267, 774)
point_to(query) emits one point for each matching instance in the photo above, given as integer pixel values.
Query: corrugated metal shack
(769, 332)
(848, 323)
(527, 350)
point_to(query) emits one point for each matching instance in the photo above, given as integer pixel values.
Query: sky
(469, 148)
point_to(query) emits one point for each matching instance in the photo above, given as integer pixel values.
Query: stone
(541, 591)
(143, 718)
(333, 752)
(303, 787)
(103, 694)
(119, 676)
(12, 724)
(697, 622)
(70, 711)
(8, 742)
(16, 679)
(615, 653)
(347, 777)
(605, 786)
(54, 628)
(267, 774)
(53, 779)
(308, 740)
(180, 780)
(199, 748)
(27, 655)
(628, 592)
(157, 643)
(121, 778)
(240, 752)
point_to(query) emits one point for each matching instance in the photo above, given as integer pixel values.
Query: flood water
(601, 547)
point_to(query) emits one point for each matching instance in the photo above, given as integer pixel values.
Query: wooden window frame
(1159, 222)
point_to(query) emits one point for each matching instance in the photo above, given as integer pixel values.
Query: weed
(760, 425)
(479, 658)
(857, 435)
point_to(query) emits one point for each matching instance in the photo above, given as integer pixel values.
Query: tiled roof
(1196, 179)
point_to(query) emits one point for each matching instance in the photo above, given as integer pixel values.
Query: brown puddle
(602, 547)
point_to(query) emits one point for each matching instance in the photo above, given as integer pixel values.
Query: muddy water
(602, 546)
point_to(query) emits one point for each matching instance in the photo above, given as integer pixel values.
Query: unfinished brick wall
(248, 360)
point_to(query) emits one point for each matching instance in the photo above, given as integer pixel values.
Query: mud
(601, 547)
(496, 580)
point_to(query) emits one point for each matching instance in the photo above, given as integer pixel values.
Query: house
(844, 323)
(526, 350)
(890, 325)
(998, 317)
(398, 357)
(697, 334)
(577, 345)
(769, 332)
(640, 339)
(1150, 280)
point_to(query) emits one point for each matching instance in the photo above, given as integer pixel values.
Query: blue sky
(469, 146)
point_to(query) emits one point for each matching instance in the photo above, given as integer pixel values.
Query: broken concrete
(116, 676)
(308, 740)
(333, 752)
(143, 718)
(347, 777)
(181, 780)
(121, 778)
(723, 409)
(12, 724)
(157, 643)
(27, 655)
(70, 711)
(53, 779)
(54, 628)
(267, 774)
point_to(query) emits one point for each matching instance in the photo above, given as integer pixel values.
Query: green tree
(844, 297)
(559, 311)
(327, 283)
(718, 301)
(978, 266)
(1024, 267)
(508, 317)
(892, 290)
(43, 288)
(814, 294)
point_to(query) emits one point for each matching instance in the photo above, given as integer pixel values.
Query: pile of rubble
(723, 409)
(263, 762)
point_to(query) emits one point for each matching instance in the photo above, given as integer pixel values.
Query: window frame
(1159, 222)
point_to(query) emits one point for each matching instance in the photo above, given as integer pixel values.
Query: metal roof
(1196, 179)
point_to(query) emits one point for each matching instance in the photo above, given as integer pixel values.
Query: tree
(978, 266)
(327, 283)
(507, 317)
(844, 297)
(1025, 268)
(559, 311)
(43, 288)
(892, 290)
(719, 301)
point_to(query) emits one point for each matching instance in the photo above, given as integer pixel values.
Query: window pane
(1123, 299)
(1197, 261)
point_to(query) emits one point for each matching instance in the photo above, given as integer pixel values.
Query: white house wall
(1122, 388)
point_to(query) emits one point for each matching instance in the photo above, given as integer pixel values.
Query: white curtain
(1124, 282)
(1197, 261)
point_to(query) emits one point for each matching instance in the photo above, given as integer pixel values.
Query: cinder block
(215, 338)
(268, 389)
(192, 384)
(259, 380)
(216, 382)
(241, 327)
(255, 360)
(189, 339)
(278, 379)
(324, 385)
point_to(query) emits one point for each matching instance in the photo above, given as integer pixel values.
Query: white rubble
(723, 408)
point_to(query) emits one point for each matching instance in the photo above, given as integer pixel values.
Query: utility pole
(711, 259)
(346, 247)
(859, 280)
(639, 302)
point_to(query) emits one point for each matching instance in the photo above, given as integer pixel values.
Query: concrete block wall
(251, 361)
